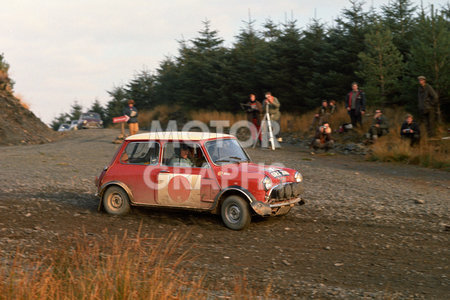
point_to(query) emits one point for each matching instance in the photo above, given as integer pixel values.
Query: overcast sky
(62, 51)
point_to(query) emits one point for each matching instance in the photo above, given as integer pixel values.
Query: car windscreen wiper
(222, 160)
(235, 159)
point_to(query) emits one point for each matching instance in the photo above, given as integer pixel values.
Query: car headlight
(298, 177)
(267, 183)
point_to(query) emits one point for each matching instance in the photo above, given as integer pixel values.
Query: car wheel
(116, 201)
(235, 213)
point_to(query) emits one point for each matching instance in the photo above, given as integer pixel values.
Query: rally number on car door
(179, 189)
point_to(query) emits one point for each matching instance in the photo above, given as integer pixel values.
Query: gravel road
(367, 230)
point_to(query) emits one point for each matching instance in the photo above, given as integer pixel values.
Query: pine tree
(381, 66)
(314, 66)
(6, 83)
(345, 42)
(351, 29)
(247, 65)
(201, 77)
(283, 76)
(98, 108)
(166, 82)
(116, 105)
(75, 111)
(141, 89)
(398, 16)
(271, 31)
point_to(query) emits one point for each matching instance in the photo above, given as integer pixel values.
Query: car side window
(144, 153)
(179, 154)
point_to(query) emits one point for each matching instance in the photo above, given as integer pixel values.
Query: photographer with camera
(323, 139)
(410, 130)
(272, 105)
(323, 115)
(253, 108)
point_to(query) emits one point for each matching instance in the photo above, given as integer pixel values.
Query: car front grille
(91, 124)
(285, 191)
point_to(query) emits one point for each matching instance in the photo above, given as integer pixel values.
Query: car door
(138, 160)
(185, 181)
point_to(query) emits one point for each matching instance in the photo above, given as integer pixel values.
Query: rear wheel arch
(108, 185)
(115, 200)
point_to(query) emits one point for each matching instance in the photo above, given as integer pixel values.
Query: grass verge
(109, 268)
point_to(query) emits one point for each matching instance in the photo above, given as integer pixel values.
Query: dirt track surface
(367, 230)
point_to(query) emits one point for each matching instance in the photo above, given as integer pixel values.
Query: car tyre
(235, 213)
(116, 201)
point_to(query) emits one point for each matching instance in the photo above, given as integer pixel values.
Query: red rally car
(199, 171)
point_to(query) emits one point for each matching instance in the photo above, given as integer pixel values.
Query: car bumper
(267, 209)
(279, 199)
(91, 125)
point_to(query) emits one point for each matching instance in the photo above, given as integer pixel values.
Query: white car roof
(178, 135)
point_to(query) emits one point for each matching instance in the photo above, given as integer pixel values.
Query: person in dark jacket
(132, 113)
(356, 104)
(253, 109)
(379, 127)
(427, 102)
(410, 130)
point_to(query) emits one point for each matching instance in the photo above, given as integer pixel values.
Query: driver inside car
(182, 159)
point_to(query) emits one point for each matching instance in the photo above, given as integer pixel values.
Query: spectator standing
(323, 115)
(254, 110)
(356, 104)
(273, 105)
(332, 106)
(132, 113)
(428, 101)
(410, 130)
(323, 139)
(379, 126)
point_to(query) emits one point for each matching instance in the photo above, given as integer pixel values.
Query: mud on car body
(198, 171)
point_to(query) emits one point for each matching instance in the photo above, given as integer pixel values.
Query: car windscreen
(95, 116)
(226, 151)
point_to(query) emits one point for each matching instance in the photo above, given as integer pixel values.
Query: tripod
(266, 120)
